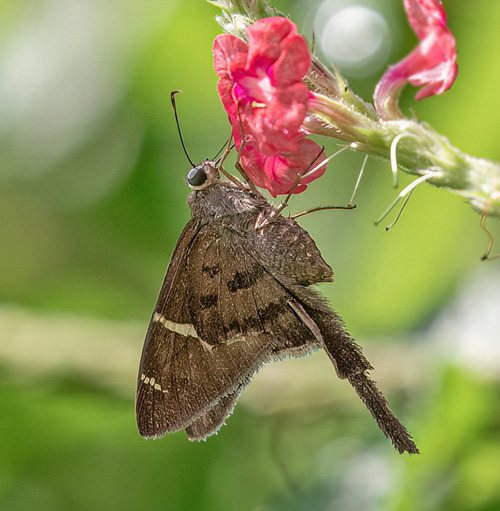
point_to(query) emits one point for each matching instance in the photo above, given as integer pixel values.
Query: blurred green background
(92, 199)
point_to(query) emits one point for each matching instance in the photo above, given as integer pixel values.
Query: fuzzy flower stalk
(276, 94)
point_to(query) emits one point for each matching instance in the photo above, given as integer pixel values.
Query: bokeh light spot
(356, 38)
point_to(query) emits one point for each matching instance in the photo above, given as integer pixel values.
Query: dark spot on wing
(207, 301)
(245, 279)
(211, 271)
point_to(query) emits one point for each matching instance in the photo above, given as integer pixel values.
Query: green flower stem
(412, 146)
(416, 148)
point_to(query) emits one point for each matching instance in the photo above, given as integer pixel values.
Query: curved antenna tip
(172, 99)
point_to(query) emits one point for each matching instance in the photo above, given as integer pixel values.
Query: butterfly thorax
(214, 197)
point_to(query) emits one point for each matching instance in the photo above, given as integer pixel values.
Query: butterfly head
(203, 175)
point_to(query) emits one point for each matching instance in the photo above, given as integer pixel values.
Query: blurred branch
(107, 352)
(37, 344)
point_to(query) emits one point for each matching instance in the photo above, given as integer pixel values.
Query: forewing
(181, 377)
(219, 317)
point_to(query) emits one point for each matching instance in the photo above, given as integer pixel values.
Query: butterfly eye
(196, 177)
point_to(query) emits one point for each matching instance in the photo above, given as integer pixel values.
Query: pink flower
(261, 88)
(431, 65)
(278, 173)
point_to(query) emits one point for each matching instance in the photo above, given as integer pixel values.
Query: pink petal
(278, 173)
(293, 63)
(230, 54)
(432, 65)
(425, 15)
(265, 38)
(277, 127)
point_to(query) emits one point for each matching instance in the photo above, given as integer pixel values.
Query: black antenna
(172, 99)
(226, 144)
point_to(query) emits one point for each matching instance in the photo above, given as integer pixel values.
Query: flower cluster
(271, 110)
(261, 87)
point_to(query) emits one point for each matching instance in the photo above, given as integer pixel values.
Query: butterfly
(237, 294)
